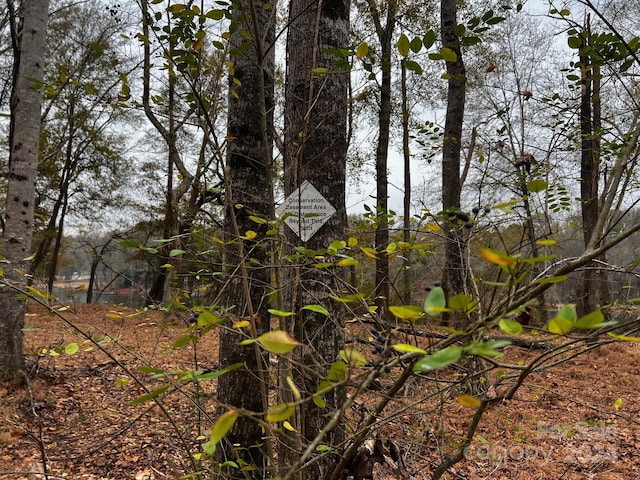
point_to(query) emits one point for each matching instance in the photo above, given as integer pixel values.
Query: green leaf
(280, 313)
(281, 412)
(71, 348)
(429, 39)
(202, 377)
(319, 401)
(557, 279)
(415, 45)
(406, 312)
(176, 252)
(337, 371)
(353, 357)
(182, 341)
(537, 185)
(317, 309)
(207, 318)
(448, 54)
(121, 382)
(590, 320)
(463, 303)
(149, 395)
(148, 369)
(222, 426)
(487, 349)
(215, 14)
(559, 325)
(435, 302)
(510, 326)
(403, 45)
(568, 312)
(277, 341)
(258, 220)
(413, 66)
(323, 448)
(495, 20)
(130, 243)
(406, 348)
(349, 298)
(439, 359)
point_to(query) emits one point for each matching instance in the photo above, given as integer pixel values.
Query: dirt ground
(577, 421)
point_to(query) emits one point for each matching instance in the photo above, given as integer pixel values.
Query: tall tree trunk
(588, 293)
(57, 245)
(315, 151)
(169, 132)
(26, 104)
(249, 162)
(407, 279)
(454, 275)
(385, 35)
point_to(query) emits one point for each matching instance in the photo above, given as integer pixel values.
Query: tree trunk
(250, 134)
(26, 103)
(407, 277)
(385, 35)
(588, 293)
(169, 133)
(455, 272)
(315, 151)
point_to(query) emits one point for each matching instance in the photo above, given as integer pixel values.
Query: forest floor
(579, 420)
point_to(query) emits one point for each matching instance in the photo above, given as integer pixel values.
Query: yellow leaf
(294, 388)
(222, 426)
(406, 312)
(347, 262)
(250, 234)
(468, 401)
(369, 252)
(288, 426)
(352, 242)
(624, 338)
(546, 243)
(432, 227)
(278, 341)
(497, 258)
(114, 315)
(362, 50)
(241, 324)
(617, 404)
(406, 348)
(281, 412)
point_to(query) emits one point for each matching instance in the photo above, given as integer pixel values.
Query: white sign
(308, 211)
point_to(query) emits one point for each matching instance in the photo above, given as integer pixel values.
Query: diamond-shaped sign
(308, 211)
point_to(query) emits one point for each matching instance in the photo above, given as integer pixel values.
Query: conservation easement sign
(307, 211)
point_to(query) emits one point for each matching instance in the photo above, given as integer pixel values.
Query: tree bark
(385, 35)
(26, 104)
(454, 275)
(169, 133)
(590, 293)
(250, 137)
(315, 151)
